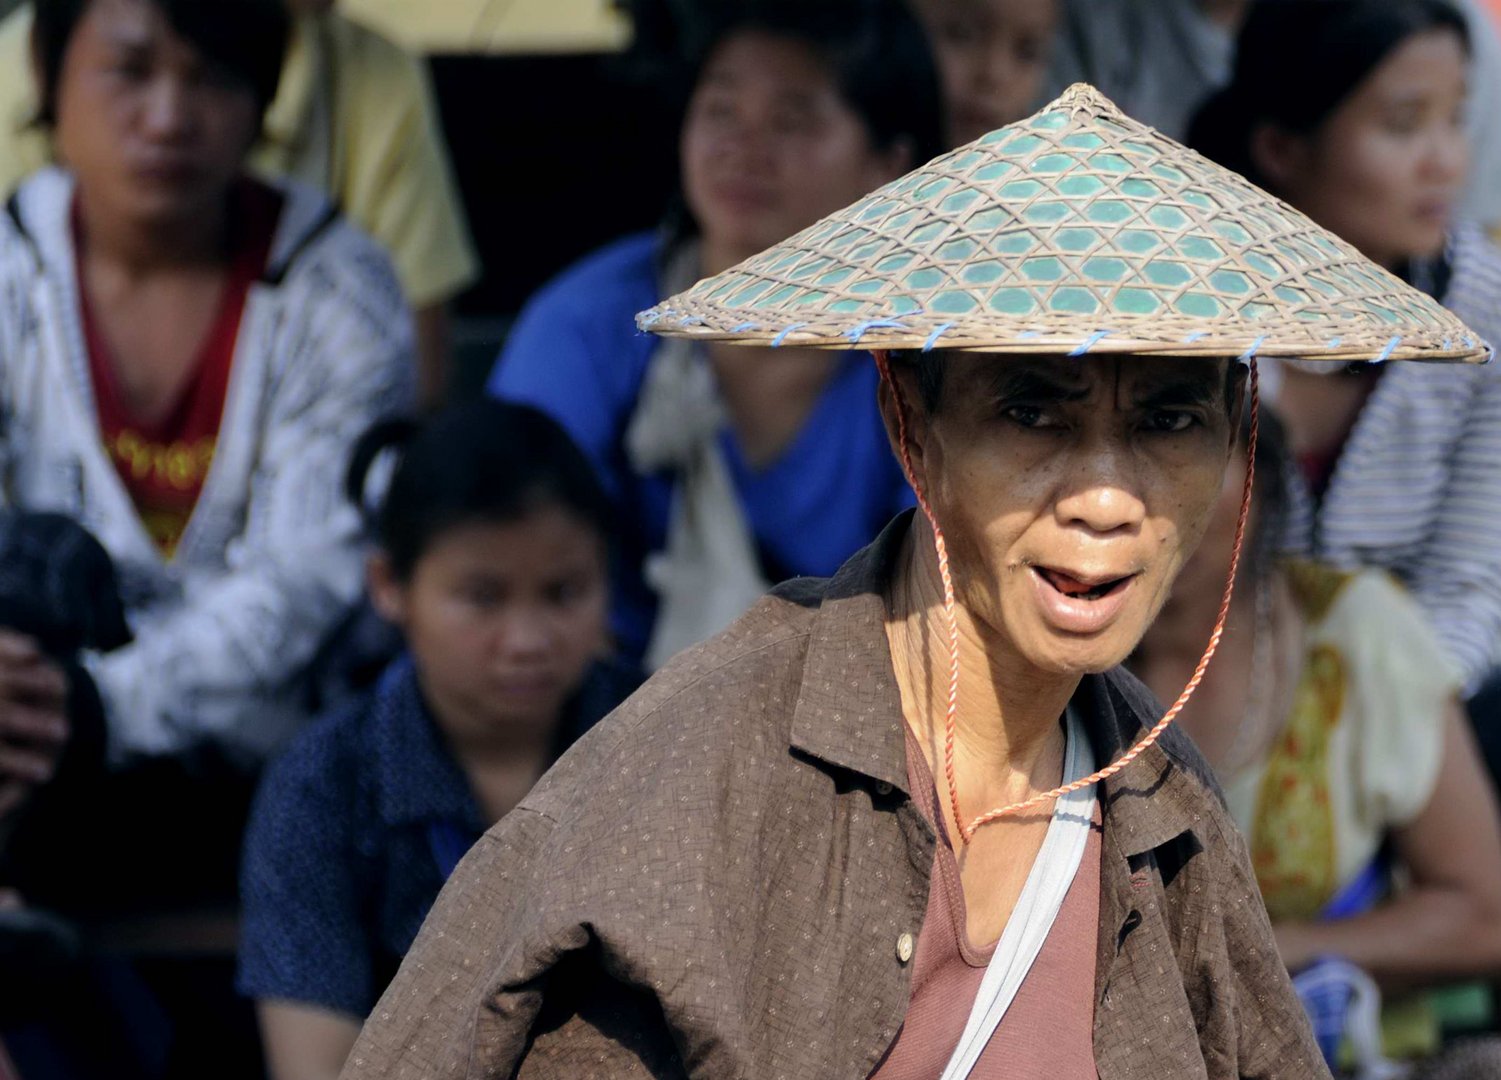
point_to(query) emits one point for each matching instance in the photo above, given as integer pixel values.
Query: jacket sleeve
(577, 365)
(225, 663)
(463, 1004)
(1272, 1037)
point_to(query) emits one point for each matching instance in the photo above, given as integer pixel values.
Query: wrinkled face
(1071, 493)
(769, 145)
(993, 55)
(1385, 170)
(503, 620)
(154, 131)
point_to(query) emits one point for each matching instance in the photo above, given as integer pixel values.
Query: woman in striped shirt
(1352, 110)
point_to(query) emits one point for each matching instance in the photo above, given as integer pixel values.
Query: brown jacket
(714, 883)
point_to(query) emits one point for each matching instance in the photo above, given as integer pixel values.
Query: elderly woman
(187, 356)
(733, 469)
(862, 833)
(1362, 129)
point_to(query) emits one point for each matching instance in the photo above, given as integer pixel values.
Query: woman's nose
(167, 109)
(1448, 157)
(1102, 495)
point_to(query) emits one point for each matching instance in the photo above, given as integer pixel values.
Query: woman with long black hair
(731, 469)
(1352, 110)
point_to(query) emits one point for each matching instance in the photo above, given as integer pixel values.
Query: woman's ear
(1281, 156)
(387, 593)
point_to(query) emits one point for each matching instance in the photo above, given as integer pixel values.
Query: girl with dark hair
(492, 562)
(734, 468)
(1333, 721)
(1352, 111)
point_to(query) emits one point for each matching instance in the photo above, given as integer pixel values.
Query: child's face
(503, 621)
(993, 55)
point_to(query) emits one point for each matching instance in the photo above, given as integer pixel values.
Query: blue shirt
(353, 833)
(575, 353)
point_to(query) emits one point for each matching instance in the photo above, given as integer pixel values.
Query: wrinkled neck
(1008, 710)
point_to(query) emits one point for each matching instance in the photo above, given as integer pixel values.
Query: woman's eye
(482, 597)
(1029, 416)
(1167, 421)
(717, 109)
(1403, 123)
(134, 70)
(792, 122)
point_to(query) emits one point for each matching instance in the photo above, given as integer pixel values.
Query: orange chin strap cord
(967, 832)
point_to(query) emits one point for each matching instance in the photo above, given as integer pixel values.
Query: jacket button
(883, 788)
(904, 948)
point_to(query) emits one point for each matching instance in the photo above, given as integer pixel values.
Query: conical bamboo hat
(1076, 229)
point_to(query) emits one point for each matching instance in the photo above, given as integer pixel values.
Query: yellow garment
(354, 117)
(1359, 755)
(516, 26)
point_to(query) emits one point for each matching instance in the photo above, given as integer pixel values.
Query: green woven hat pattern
(1076, 229)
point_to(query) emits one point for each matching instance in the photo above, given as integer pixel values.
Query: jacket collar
(418, 779)
(849, 714)
(41, 208)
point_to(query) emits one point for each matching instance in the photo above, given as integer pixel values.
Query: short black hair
(1296, 61)
(928, 368)
(482, 461)
(246, 38)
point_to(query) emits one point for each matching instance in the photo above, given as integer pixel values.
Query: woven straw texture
(1075, 230)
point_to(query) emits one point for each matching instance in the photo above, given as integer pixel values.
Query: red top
(1049, 1028)
(164, 463)
(1318, 469)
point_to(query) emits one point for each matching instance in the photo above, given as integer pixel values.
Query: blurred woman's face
(154, 131)
(1385, 170)
(993, 55)
(503, 620)
(769, 146)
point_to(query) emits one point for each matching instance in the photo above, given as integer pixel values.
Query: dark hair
(928, 369)
(876, 50)
(481, 461)
(247, 38)
(1297, 61)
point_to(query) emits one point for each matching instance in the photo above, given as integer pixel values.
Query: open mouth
(1078, 589)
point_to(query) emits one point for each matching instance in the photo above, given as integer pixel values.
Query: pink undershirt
(1049, 1028)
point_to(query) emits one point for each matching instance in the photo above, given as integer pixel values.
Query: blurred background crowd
(340, 493)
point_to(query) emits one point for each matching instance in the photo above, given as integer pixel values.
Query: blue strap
(449, 843)
(1364, 892)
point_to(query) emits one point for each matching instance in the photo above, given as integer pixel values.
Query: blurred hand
(33, 718)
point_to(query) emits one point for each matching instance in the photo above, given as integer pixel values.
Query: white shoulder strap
(1037, 907)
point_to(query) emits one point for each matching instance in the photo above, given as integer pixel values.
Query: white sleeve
(1457, 580)
(1482, 198)
(1403, 683)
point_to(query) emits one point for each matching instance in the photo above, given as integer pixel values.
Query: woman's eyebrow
(1185, 390)
(1032, 384)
